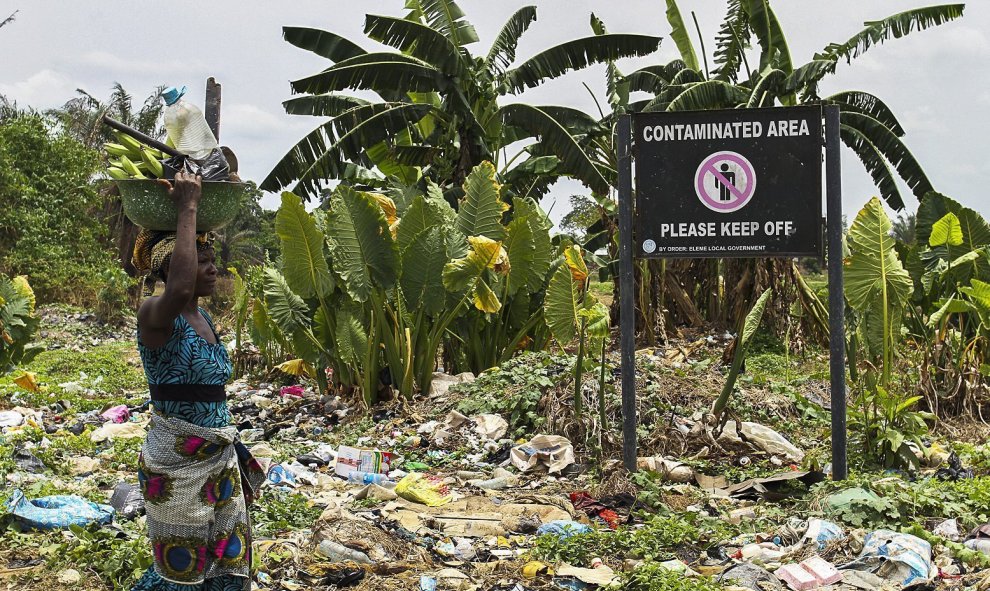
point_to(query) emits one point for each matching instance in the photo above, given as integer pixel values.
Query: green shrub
(18, 323)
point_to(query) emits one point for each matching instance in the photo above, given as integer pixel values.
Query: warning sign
(725, 182)
(742, 182)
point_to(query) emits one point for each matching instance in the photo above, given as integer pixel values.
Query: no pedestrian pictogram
(725, 181)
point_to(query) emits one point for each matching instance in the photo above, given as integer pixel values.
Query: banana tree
(722, 290)
(439, 114)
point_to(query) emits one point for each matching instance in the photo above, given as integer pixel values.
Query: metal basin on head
(147, 204)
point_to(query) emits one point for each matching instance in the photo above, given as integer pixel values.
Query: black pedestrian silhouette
(724, 193)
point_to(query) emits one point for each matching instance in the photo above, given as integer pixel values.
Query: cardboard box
(351, 459)
(796, 577)
(823, 571)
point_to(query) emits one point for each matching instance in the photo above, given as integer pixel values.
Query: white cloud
(43, 89)
(106, 61)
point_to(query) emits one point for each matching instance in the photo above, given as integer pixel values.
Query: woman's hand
(186, 191)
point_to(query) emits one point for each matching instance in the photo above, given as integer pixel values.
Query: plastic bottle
(186, 125)
(367, 477)
(340, 553)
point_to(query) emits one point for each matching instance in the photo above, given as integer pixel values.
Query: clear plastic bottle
(186, 125)
(367, 477)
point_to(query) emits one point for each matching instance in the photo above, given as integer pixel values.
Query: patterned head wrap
(153, 251)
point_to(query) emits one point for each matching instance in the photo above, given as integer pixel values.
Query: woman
(196, 477)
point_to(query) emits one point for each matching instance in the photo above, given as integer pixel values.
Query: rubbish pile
(421, 496)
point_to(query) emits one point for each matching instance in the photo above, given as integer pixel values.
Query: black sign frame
(768, 204)
(836, 303)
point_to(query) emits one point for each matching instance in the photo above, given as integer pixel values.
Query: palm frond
(323, 43)
(768, 87)
(731, 43)
(380, 72)
(679, 34)
(893, 149)
(867, 104)
(578, 54)
(896, 26)
(503, 50)
(712, 94)
(575, 161)
(650, 79)
(326, 151)
(765, 26)
(875, 164)
(809, 75)
(322, 105)
(417, 40)
(448, 18)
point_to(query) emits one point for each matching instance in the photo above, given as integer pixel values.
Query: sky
(936, 81)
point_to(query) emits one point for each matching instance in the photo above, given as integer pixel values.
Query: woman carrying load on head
(196, 476)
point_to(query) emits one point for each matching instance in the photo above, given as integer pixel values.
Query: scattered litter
(948, 529)
(83, 465)
(56, 512)
(69, 577)
(29, 462)
(824, 571)
(900, 558)
(550, 451)
(796, 577)
(340, 553)
(764, 438)
(112, 431)
(10, 418)
(127, 500)
(668, 469)
(117, 414)
(601, 575)
(281, 475)
(350, 459)
(420, 488)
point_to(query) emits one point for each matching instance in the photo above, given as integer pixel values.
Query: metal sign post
(836, 301)
(732, 183)
(627, 306)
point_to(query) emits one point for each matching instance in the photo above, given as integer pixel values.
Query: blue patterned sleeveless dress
(188, 358)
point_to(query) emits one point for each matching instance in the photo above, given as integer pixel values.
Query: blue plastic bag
(563, 528)
(57, 512)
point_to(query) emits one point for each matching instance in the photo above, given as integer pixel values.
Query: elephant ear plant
(370, 290)
(18, 323)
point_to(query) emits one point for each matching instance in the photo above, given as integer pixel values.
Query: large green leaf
(896, 26)
(360, 243)
(380, 72)
(322, 43)
(650, 79)
(447, 17)
(423, 261)
(876, 284)
(303, 261)
(946, 231)
(679, 34)
(809, 75)
(465, 273)
(873, 270)
(578, 54)
(753, 319)
(289, 312)
(562, 305)
(480, 212)
(555, 136)
(424, 213)
(540, 226)
(417, 40)
(351, 336)
(503, 50)
(766, 90)
(521, 249)
(892, 148)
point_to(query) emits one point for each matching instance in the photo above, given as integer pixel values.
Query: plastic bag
(212, 168)
(127, 500)
(420, 488)
(55, 512)
(900, 558)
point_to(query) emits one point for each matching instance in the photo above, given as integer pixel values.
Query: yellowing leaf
(388, 208)
(486, 250)
(297, 367)
(485, 299)
(23, 289)
(27, 380)
(575, 262)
